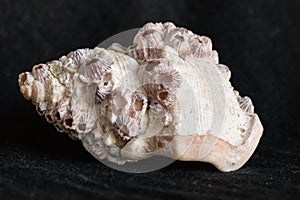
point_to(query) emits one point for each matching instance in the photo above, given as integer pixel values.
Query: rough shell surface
(136, 99)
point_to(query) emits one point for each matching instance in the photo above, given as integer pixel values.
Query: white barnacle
(179, 39)
(147, 41)
(126, 127)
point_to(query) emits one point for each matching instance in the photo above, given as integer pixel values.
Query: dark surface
(259, 40)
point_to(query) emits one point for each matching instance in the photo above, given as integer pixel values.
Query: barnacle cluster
(136, 99)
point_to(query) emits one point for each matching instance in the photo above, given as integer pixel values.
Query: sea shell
(166, 94)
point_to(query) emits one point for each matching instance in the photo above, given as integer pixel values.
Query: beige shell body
(165, 95)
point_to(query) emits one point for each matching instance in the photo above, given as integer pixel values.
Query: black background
(258, 40)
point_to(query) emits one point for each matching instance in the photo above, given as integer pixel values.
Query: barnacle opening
(138, 104)
(57, 116)
(163, 95)
(40, 66)
(151, 65)
(49, 118)
(68, 122)
(92, 61)
(23, 78)
(179, 37)
(148, 32)
(120, 101)
(107, 77)
(58, 127)
(82, 127)
(163, 78)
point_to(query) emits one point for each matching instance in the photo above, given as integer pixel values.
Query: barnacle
(165, 95)
(179, 39)
(160, 81)
(126, 127)
(148, 41)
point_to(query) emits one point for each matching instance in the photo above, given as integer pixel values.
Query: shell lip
(225, 156)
